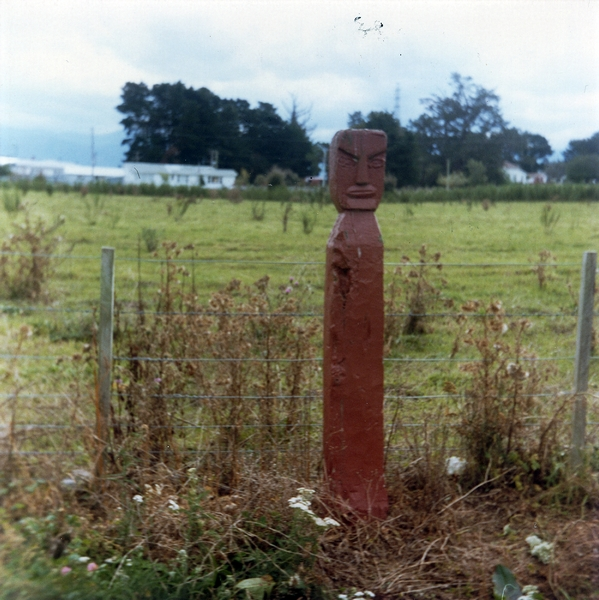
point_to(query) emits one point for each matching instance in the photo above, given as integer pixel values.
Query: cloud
(541, 57)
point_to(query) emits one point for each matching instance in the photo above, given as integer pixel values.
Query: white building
(514, 173)
(56, 171)
(517, 175)
(174, 175)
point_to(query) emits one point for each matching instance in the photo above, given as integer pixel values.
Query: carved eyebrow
(370, 156)
(346, 152)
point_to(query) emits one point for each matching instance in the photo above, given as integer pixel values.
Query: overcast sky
(63, 63)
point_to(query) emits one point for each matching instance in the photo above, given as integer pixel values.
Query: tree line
(461, 138)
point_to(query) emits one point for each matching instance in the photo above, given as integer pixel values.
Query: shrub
(287, 208)
(309, 218)
(27, 266)
(258, 211)
(251, 401)
(11, 198)
(38, 183)
(234, 196)
(549, 218)
(501, 398)
(477, 172)
(94, 208)
(150, 238)
(541, 268)
(181, 205)
(410, 295)
(281, 177)
(583, 169)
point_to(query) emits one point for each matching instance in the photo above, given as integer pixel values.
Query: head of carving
(357, 168)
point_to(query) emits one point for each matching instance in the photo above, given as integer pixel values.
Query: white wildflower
(303, 501)
(138, 498)
(529, 592)
(358, 594)
(540, 549)
(306, 494)
(84, 559)
(455, 465)
(342, 596)
(326, 522)
(504, 328)
(173, 505)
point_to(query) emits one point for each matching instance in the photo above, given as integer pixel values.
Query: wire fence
(192, 392)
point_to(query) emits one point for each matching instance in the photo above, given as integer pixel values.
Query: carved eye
(346, 161)
(376, 163)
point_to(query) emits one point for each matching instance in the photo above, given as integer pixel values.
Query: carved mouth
(362, 191)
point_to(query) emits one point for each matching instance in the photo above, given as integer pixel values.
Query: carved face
(357, 168)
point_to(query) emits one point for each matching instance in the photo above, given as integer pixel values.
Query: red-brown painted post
(354, 324)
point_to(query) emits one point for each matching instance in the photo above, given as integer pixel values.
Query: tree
(583, 168)
(402, 153)
(582, 147)
(356, 121)
(477, 172)
(171, 123)
(524, 148)
(555, 170)
(465, 125)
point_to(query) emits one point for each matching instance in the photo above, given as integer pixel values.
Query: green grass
(507, 235)
(223, 231)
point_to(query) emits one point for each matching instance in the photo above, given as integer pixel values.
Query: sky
(63, 63)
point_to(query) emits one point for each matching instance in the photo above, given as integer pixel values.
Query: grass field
(516, 253)
(223, 231)
(234, 245)
(229, 243)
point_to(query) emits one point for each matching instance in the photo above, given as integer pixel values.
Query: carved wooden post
(353, 325)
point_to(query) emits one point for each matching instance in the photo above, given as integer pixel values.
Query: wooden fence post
(353, 375)
(104, 382)
(584, 336)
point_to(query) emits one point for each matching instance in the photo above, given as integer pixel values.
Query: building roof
(68, 168)
(509, 165)
(170, 169)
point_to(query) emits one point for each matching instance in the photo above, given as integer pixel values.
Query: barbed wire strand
(279, 262)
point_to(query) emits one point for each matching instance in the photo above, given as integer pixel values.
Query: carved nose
(362, 176)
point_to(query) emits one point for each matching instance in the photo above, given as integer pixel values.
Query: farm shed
(189, 175)
(56, 171)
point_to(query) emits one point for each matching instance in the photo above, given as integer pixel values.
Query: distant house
(56, 171)
(517, 175)
(538, 177)
(514, 173)
(174, 175)
(314, 181)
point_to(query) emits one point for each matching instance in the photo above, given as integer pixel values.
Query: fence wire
(309, 421)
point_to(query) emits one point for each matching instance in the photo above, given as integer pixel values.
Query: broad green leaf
(256, 587)
(505, 586)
